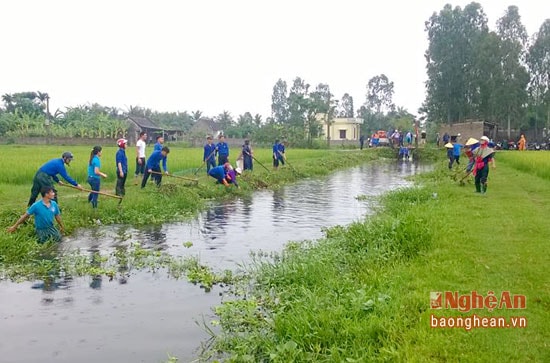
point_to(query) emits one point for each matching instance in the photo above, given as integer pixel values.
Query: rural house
(138, 124)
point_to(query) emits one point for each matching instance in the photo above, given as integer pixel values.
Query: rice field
(533, 162)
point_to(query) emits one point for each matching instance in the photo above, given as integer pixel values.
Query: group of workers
(223, 172)
(46, 209)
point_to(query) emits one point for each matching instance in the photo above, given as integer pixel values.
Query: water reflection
(154, 237)
(214, 223)
(278, 205)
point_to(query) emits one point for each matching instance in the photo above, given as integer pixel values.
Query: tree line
(501, 76)
(299, 115)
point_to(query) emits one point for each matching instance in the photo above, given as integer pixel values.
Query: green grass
(362, 293)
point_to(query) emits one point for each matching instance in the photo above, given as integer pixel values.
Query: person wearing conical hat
(469, 148)
(483, 156)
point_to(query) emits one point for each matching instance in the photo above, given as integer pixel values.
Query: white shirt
(141, 148)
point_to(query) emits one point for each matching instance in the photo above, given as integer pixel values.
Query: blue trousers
(94, 184)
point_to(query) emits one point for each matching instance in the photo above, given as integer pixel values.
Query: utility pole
(416, 133)
(327, 118)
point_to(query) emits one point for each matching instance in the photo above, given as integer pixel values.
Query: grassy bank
(362, 294)
(175, 200)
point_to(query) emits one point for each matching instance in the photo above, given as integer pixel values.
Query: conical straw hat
(449, 145)
(483, 152)
(471, 141)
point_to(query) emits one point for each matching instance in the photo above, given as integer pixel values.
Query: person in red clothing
(483, 155)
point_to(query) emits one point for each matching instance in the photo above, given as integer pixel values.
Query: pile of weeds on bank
(326, 300)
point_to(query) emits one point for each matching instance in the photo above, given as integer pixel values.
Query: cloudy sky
(177, 55)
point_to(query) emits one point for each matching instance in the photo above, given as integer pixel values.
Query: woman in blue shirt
(94, 174)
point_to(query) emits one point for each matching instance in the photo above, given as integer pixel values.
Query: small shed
(469, 128)
(138, 124)
(205, 126)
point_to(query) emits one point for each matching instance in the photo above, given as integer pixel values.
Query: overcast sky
(177, 55)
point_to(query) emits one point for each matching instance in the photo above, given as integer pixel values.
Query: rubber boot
(478, 187)
(484, 189)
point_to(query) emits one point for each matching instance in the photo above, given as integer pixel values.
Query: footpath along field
(363, 293)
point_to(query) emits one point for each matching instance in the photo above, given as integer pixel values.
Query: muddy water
(148, 316)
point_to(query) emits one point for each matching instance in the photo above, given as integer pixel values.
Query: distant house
(341, 128)
(138, 124)
(204, 127)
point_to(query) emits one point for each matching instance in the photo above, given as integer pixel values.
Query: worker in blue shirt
(95, 174)
(225, 174)
(456, 152)
(157, 147)
(209, 156)
(219, 173)
(153, 165)
(47, 175)
(278, 154)
(159, 144)
(44, 211)
(121, 167)
(223, 150)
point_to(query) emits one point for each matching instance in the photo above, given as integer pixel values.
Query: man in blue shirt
(209, 156)
(225, 174)
(153, 164)
(278, 154)
(159, 144)
(121, 167)
(223, 151)
(44, 211)
(157, 147)
(219, 173)
(456, 152)
(47, 174)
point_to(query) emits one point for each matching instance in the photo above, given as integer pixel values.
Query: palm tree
(44, 99)
(225, 120)
(8, 101)
(196, 115)
(257, 119)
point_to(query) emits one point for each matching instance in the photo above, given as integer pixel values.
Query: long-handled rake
(194, 180)
(95, 191)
